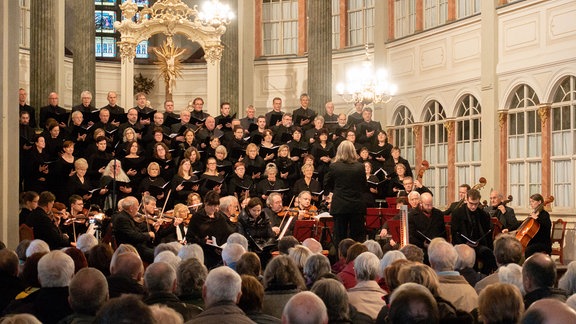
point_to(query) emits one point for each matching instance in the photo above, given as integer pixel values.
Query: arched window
(402, 132)
(468, 134)
(524, 145)
(563, 120)
(436, 150)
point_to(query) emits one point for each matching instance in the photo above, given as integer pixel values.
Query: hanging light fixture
(365, 85)
(214, 13)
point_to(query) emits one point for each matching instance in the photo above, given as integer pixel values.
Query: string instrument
(424, 165)
(481, 183)
(404, 230)
(507, 201)
(286, 209)
(308, 212)
(530, 226)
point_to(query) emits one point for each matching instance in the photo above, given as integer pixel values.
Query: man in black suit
(44, 228)
(425, 222)
(471, 225)
(366, 129)
(304, 115)
(127, 231)
(22, 96)
(52, 108)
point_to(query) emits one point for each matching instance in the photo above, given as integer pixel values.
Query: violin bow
(165, 203)
(283, 218)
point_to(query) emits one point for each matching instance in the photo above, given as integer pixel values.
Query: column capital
(544, 112)
(417, 130)
(449, 125)
(502, 118)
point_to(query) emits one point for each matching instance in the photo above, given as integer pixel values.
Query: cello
(530, 227)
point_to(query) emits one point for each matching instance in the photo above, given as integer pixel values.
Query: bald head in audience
(305, 308)
(128, 265)
(88, 291)
(549, 311)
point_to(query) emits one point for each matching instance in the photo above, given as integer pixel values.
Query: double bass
(530, 227)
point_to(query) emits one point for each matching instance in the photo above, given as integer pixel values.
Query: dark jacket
(187, 311)
(473, 225)
(347, 182)
(542, 293)
(118, 285)
(430, 226)
(49, 305)
(44, 229)
(222, 312)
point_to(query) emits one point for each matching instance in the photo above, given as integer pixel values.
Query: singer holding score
(471, 225)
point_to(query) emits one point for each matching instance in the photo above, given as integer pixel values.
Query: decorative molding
(502, 118)
(417, 130)
(449, 125)
(544, 113)
(168, 17)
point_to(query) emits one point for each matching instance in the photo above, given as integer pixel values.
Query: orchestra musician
(505, 214)
(255, 225)
(471, 225)
(230, 207)
(541, 241)
(462, 190)
(276, 212)
(78, 216)
(127, 230)
(305, 208)
(42, 223)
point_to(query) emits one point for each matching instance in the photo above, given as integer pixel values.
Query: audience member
(313, 245)
(9, 281)
(335, 297)
(49, 303)
(413, 253)
(85, 242)
(88, 292)
(539, 276)
(348, 275)
(299, 254)
(160, 284)
(374, 247)
(252, 299)
(191, 251)
(126, 274)
(412, 303)
(316, 266)
(305, 308)
(231, 254)
(453, 287)
(168, 257)
(190, 277)
(165, 315)
(342, 252)
(511, 274)
(238, 238)
(367, 296)
(221, 294)
(568, 280)
(125, 309)
(465, 264)
(249, 264)
(78, 258)
(282, 280)
(37, 246)
(507, 249)
(549, 311)
(100, 256)
(286, 243)
(500, 303)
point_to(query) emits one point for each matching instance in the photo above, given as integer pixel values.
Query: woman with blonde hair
(346, 182)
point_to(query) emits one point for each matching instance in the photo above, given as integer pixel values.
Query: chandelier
(215, 14)
(365, 85)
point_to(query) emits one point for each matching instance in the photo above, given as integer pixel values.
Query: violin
(308, 212)
(287, 211)
(530, 226)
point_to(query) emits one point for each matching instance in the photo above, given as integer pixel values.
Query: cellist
(540, 241)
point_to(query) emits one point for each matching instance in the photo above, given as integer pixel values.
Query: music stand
(326, 238)
(304, 229)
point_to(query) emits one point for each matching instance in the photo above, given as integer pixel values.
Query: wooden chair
(26, 232)
(557, 237)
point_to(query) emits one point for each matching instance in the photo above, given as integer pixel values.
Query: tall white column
(212, 104)
(127, 84)
(9, 161)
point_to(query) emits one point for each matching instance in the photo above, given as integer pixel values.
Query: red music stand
(304, 229)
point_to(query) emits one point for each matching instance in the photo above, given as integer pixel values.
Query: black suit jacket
(347, 182)
(431, 227)
(471, 224)
(126, 230)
